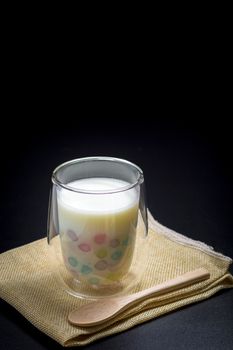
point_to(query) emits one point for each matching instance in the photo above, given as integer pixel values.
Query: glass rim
(56, 181)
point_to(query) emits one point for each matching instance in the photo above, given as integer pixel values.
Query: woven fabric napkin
(27, 283)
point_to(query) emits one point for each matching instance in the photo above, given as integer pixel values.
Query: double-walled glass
(97, 226)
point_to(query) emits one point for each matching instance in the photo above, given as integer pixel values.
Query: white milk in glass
(98, 231)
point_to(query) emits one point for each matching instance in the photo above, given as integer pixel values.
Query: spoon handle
(174, 284)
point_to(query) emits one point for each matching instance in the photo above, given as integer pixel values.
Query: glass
(97, 226)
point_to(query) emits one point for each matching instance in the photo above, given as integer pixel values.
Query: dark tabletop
(189, 188)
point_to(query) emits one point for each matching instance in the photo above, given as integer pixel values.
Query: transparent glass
(97, 226)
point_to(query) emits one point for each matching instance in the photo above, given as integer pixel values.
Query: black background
(187, 167)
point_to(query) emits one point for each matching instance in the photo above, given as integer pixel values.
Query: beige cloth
(28, 284)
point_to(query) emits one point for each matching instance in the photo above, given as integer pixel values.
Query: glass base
(77, 287)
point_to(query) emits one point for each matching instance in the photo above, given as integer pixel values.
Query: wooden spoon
(99, 311)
